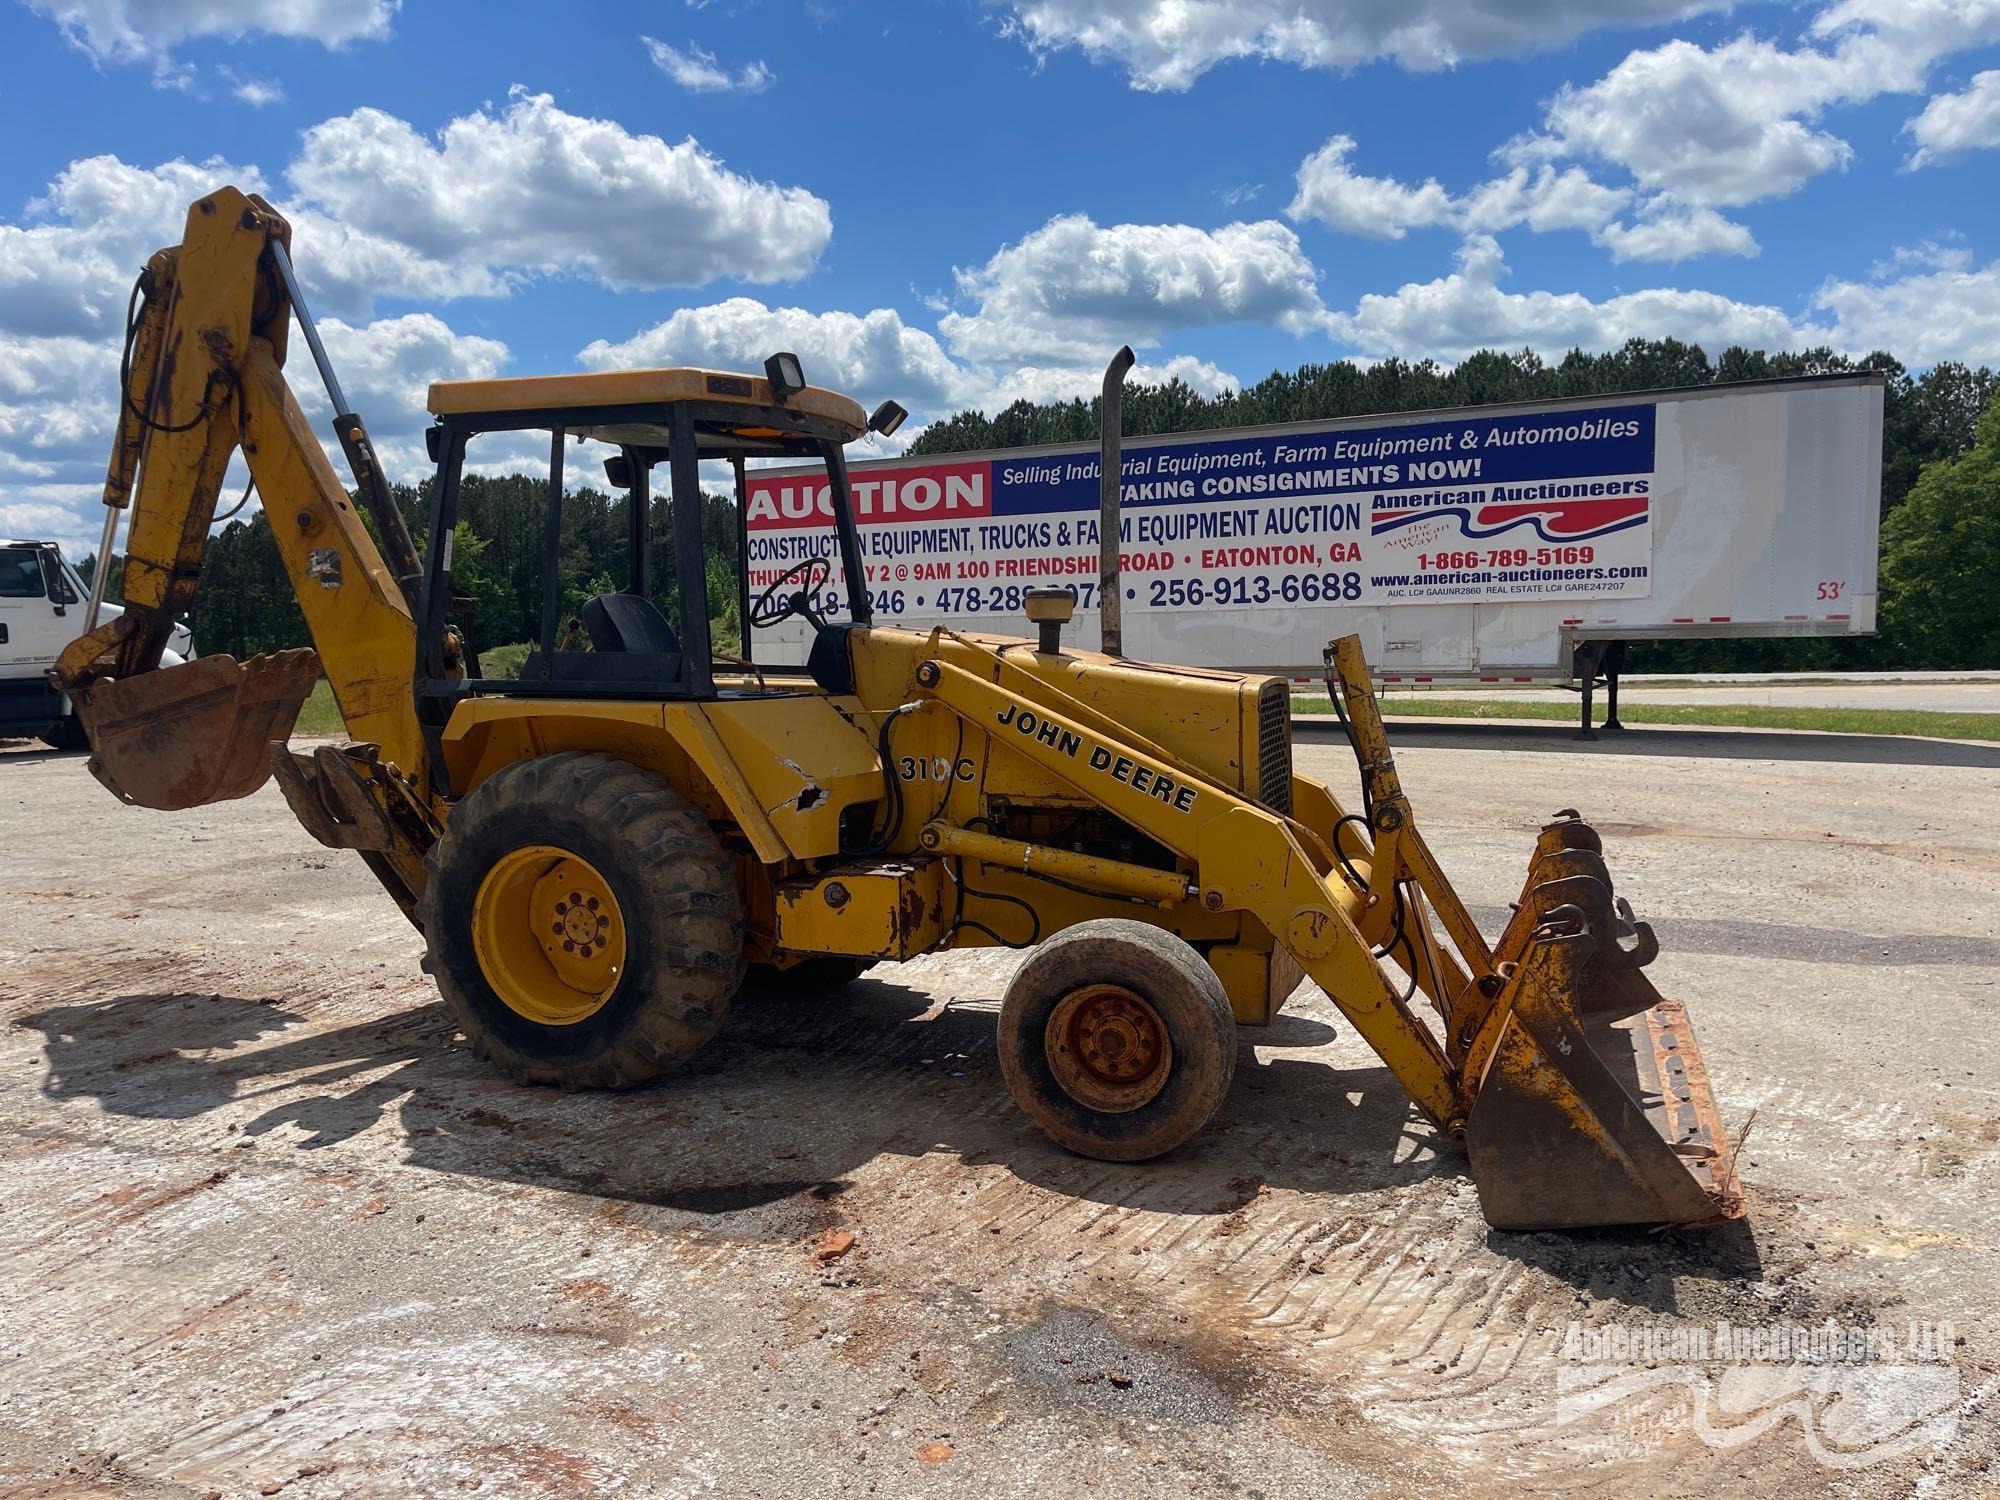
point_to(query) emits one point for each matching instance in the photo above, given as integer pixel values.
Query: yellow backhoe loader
(597, 851)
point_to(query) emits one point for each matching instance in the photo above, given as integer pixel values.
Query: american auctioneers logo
(1859, 1395)
(1552, 512)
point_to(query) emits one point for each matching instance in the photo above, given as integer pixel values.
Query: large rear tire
(582, 922)
(1117, 1039)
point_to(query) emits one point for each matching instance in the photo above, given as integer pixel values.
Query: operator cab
(652, 637)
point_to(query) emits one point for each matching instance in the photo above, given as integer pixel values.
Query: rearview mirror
(888, 417)
(618, 471)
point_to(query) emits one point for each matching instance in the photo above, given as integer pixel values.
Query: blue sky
(955, 202)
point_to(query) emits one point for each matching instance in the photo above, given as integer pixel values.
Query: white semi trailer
(1520, 542)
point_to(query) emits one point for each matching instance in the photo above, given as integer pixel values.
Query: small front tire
(1117, 1039)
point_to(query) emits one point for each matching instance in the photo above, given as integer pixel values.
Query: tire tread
(687, 883)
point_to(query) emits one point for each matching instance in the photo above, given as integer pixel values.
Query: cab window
(21, 574)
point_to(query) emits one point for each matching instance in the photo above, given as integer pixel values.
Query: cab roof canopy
(734, 413)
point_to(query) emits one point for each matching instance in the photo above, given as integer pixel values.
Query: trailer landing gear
(1600, 661)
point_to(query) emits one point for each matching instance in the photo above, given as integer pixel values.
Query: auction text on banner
(1524, 506)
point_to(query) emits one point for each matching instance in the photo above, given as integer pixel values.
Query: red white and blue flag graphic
(1549, 520)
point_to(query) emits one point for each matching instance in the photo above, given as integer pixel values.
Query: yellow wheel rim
(549, 935)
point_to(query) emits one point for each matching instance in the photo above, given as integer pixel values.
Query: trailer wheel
(1117, 1039)
(582, 923)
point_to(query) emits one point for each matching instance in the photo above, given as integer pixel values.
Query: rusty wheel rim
(1108, 1048)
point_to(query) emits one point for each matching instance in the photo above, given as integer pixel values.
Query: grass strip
(1893, 721)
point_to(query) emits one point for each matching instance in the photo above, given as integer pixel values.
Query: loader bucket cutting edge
(188, 735)
(1593, 1111)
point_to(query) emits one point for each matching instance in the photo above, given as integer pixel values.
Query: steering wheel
(812, 574)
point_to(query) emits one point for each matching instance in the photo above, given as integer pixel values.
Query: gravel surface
(269, 1228)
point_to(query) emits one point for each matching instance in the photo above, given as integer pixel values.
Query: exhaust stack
(1110, 433)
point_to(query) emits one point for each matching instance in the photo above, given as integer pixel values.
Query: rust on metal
(1592, 1102)
(330, 798)
(188, 735)
(1108, 1048)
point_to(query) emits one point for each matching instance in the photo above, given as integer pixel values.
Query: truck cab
(42, 607)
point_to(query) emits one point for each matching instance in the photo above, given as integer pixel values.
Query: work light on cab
(786, 377)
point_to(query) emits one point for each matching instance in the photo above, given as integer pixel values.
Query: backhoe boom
(204, 379)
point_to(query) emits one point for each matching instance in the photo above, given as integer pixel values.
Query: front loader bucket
(1594, 1108)
(188, 735)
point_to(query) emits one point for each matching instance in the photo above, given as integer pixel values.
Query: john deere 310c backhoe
(598, 851)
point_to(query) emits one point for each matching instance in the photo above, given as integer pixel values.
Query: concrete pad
(266, 1222)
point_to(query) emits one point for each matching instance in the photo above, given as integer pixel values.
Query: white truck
(42, 604)
(1504, 543)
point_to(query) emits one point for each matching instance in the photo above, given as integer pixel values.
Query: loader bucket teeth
(188, 735)
(1595, 1106)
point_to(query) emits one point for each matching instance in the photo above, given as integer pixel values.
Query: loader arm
(1527, 1067)
(202, 379)
(1247, 859)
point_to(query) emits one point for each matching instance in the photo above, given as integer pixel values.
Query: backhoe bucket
(188, 735)
(1594, 1107)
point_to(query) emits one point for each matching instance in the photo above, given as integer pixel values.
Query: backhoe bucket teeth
(188, 735)
(1594, 1108)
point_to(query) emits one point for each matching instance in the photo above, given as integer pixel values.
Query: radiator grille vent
(1274, 747)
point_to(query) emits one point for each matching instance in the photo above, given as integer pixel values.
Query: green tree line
(245, 604)
(1940, 498)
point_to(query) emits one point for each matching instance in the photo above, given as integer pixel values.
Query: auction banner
(1527, 506)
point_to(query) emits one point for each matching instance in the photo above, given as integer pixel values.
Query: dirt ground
(266, 1226)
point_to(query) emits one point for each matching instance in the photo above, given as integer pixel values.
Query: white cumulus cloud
(1951, 312)
(1665, 230)
(59, 402)
(124, 31)
(1331, 191)
(1168, 44)
(1965, 121)
(64, 279)
(1466, 311)
(534, 188)
(1072, 291)
(257, 92)
(870, 356)
(1545, 200)
(1739, 122)
(1928, 304)
(699, 73)
(873, 356)
(68, 269)
(1039, 383)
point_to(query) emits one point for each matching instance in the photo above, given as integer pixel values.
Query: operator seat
(629, 623)
(829, 663)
